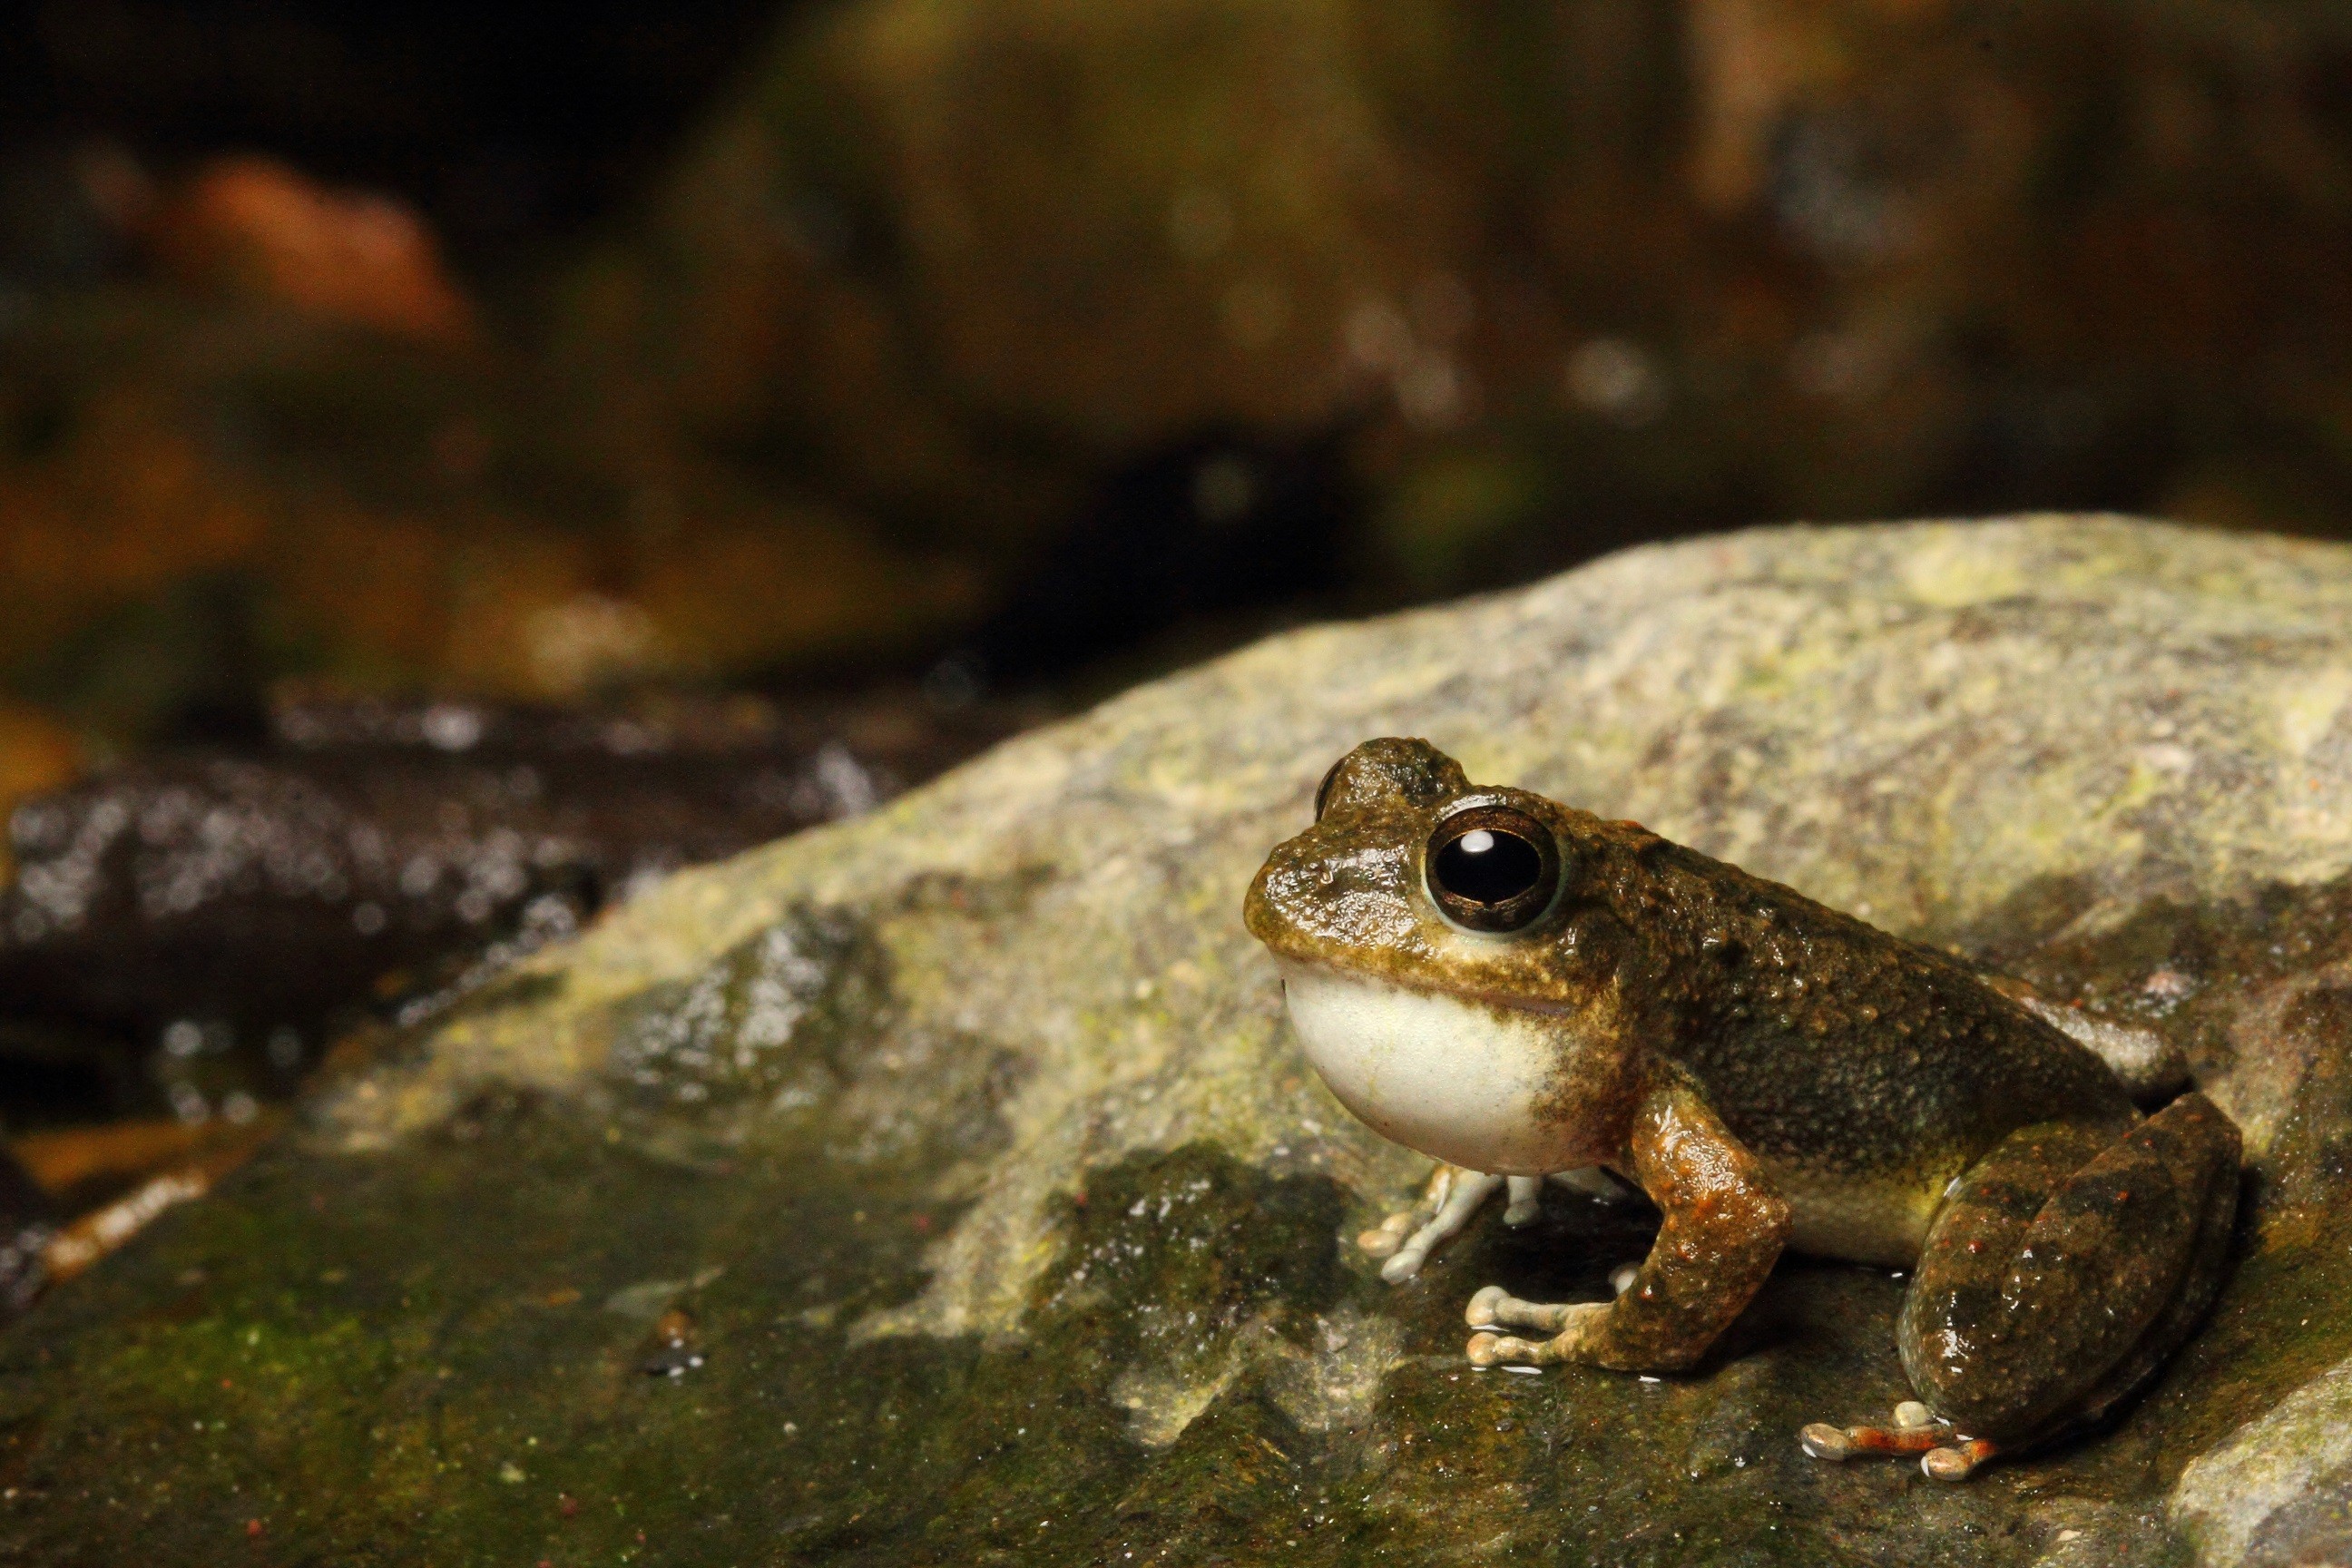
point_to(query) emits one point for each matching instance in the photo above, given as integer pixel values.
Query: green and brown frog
(1520, 989)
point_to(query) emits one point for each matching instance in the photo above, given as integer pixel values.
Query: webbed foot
(1944, 1453)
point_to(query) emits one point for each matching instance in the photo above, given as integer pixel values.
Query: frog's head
(1437, 972)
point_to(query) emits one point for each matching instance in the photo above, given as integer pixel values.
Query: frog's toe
(1480, 1312)
(1488, 1348)
(1823, 1441)
(1405, 1264)
(1524, 1204)
(1957, 1461)
(1384, 1241)
(1454, 1196)
(1914, 1431)
(1492, 1306)
(1493, 1309)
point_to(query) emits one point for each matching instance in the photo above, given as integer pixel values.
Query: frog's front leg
(1723, 1228)
(1406, 1239)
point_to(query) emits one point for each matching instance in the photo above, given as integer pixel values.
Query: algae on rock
(993, 1217)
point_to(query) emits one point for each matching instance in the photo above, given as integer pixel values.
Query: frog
(1526, 993)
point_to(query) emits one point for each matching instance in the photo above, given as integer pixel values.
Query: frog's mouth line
(1461, 1078)
(1501, 1001)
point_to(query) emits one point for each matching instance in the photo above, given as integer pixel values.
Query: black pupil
(1488, 866)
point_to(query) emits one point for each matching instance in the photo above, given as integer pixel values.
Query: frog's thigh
(2196, 1134)
(2060, 1253)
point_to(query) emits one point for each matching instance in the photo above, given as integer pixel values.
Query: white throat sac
(1467, 1083)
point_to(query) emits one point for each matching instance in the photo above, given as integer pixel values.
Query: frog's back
(1830, 1046)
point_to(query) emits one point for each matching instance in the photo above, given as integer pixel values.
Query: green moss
(408, 1358)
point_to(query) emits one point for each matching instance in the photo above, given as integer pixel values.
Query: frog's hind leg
(1985, 1214)
(2201, 1134)
(2063, 1267)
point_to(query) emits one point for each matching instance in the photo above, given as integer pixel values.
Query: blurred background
(460, 462)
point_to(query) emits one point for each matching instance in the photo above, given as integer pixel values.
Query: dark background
(1436, 297)
(512, 127)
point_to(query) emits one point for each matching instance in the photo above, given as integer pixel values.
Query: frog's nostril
(1323, 790)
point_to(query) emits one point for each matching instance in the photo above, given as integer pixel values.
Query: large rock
(943, 1185)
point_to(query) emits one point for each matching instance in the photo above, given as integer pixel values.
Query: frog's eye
(1492, 867)
(1323, 790)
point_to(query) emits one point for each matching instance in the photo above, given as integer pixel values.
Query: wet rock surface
(186, 932)
(943, 1187)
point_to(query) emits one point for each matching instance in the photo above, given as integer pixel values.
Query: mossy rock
(944, 1187)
